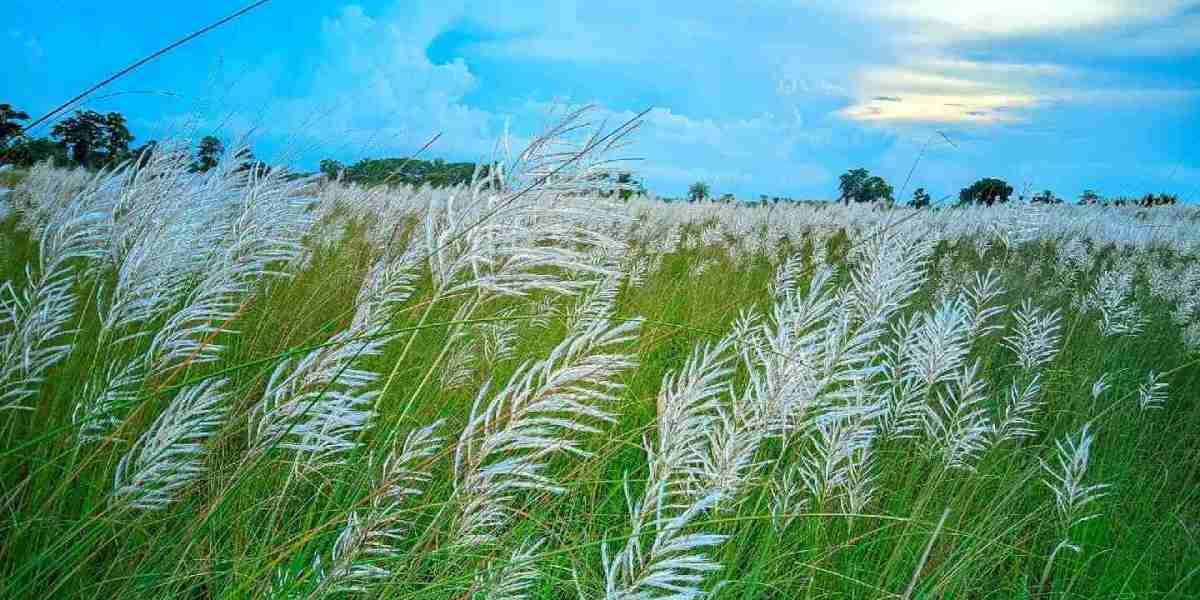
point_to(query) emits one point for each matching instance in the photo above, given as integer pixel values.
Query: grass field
(231, 386)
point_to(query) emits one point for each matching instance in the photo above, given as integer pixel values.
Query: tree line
(95, 140)
(439, 173)
(860, 186)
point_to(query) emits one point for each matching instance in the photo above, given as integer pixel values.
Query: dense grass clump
(225, 385)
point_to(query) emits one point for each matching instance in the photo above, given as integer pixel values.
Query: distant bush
(377, 171)
(1045, 197)
(920, 199)
(986, 192)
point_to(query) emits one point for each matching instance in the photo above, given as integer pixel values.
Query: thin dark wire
(143, 61)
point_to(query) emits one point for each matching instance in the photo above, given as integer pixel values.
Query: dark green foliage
(630, 186)
(1045, 197)
(986, 192)
(331, 169)
(116, 136)
(624, 185)
(93, 139)
(1089, 197)
(698, 191)
(379, 171)
(860, 186)
(9, 128)
(920, 199)
(26, 152)
(208, 154)
(1151, 200)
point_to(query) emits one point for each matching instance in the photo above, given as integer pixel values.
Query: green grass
(228, 536)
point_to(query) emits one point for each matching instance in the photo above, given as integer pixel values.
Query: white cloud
(1023, 17)
(376, 87)
(981, 109)
(936, 84)
(941, 90)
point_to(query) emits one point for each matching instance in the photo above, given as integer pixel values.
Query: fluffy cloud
(375, 86)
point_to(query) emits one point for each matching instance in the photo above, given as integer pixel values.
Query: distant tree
(876, 189)
(727, 198)
(986, 191)
(920, 199)
(860, 186)
(698, 191)
(9, 128)
(116, 137)
(80, 135)
(1152, 200)
(1045, 197)
(332, 169)
(407, 171)
(208, 154)
(624, 185)
(92, 138)
(1089, 197)
(851, 184)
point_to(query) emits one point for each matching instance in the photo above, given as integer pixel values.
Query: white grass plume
(1036, 336)
(369, 535)
(170, 455)
(1152, 393)
(1100, 386)
(35, 320)
(193, 266)
(358, 560)
(890, 265)
(957, 424)
(674, 565)
(810, 352)
(937, 348)
(1016, 417)
(537, 414)
(318, 404)
(510, 579)
(1072, 495)
(837, 465)
(1113, 295)
(728, 461)
(981, 297)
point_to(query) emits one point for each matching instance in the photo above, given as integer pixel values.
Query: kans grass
(240, 385)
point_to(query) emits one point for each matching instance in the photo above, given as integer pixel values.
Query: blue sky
(773, 97)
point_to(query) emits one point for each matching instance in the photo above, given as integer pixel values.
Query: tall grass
(236, 385)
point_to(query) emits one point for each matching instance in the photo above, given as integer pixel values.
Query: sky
(772, 97)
